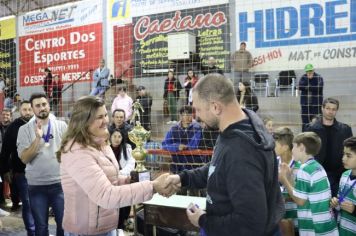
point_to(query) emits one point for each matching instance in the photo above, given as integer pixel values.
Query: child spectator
(346, 201)
(122, 152)
(123, 101)
(283, 137)
(312, 188)
(268, 122)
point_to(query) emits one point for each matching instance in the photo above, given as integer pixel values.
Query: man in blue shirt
(185, 135)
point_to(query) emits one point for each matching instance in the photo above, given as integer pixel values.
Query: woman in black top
(245, 96)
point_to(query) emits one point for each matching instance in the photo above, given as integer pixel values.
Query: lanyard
(48, 135)
(345, 191)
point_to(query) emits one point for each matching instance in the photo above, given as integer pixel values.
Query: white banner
(290, 34)
(150, 7)
(61, 17)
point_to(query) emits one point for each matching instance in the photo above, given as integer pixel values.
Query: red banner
(68, 53)
(123, 51)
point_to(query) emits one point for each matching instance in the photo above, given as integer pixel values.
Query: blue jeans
(41, 198)
(100, 91)
(22, 188)
(111, 233)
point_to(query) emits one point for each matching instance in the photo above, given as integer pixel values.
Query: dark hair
(248, 90)
(186, 109)
(25, 102)
(118, 110)
(191, 70)
(123, 88)
(311, 142)
(243, 43)
(8, 110)
(122, 146)
(37, 95)
(350, 143)
(47, 70)
(284, 135)
(332, 101)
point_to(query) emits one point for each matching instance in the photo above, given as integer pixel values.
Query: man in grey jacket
(241, 63)
(100, 80)
(37, 143)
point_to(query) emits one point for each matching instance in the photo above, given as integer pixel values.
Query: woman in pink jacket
(93, 187)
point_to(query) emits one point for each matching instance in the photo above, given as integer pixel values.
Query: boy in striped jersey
(312, 189)
(346, 200)
(283, 138)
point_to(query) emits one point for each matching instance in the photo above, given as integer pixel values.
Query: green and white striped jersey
(347, 225)
(315, 216)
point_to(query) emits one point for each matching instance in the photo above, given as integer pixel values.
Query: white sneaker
(174, 122)
(4, 213)
(169, 122)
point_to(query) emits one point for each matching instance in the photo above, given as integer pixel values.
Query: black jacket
(243, 195)
(211, 70)
(340, 132)
(9, 159)
(146, 103)
(177, 85)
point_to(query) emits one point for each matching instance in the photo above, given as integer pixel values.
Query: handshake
(167, 184)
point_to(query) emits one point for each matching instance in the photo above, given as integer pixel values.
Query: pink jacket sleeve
(81, 165)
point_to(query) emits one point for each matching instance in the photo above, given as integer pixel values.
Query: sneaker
(174, 122)
(169, 122)
(4, 213)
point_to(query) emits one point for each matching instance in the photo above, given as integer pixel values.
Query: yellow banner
(8, 28)
(119, 9)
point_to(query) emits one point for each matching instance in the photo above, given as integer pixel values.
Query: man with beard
(332, 134)
(6, 118)
(37, 143)
(12, 167)
(243, 195)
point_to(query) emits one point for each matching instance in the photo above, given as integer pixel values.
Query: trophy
(139, 135)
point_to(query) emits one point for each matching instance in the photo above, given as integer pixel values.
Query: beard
(43, 115)
(26, 117)
(213, 124)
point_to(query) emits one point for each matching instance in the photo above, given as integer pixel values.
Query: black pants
(308, 113)
(123, 215)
